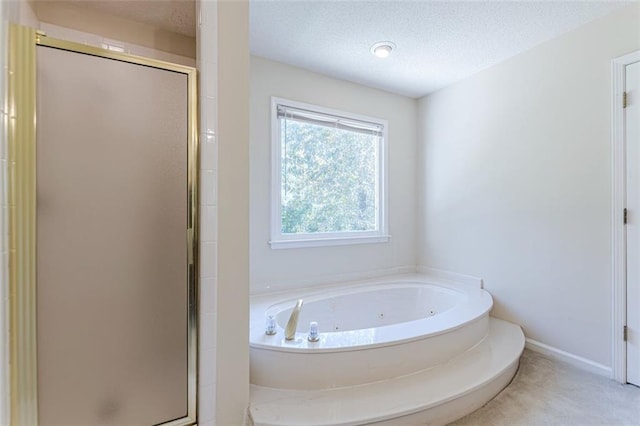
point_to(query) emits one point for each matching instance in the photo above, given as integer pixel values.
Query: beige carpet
(547, 392)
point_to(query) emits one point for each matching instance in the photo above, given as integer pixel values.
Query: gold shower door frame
(21, 197)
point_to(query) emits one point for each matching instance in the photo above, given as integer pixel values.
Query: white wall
(283, 268)
(26, 14)
(515, 184)
(93, 39)
(232, 296)
(84, 19)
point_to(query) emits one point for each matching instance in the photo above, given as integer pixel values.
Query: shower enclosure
(103, 225)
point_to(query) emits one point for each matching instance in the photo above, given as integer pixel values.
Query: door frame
(21, 186)
(618, 231)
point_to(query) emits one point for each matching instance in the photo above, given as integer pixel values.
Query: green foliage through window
(328, 178)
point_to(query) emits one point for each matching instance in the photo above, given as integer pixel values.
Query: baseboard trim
(575, 360)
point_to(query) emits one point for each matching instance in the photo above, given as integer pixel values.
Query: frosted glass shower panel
(111, 241)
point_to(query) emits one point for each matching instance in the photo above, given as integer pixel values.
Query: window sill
(325, 242)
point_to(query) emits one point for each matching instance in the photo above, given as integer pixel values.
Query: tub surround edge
(455, 277)
(329, 281)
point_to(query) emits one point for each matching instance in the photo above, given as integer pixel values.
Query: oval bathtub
(368, 331)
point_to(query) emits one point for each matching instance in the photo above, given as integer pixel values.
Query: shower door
(115, 215)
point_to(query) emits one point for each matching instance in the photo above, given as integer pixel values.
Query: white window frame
(282, 241)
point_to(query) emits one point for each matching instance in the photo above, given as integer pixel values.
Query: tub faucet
(292, 324)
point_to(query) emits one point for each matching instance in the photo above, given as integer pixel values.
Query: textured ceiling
(178, 16)
(438, 42)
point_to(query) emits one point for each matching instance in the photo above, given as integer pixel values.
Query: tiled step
(435, 396)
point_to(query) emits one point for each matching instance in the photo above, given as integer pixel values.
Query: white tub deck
(435, 396)
(413, 370)
(389, 332)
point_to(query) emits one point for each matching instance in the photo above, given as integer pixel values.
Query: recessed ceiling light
(382, 49)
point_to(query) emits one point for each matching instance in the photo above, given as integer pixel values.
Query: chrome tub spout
(292, 324)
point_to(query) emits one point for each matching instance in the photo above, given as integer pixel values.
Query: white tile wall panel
(206, 59)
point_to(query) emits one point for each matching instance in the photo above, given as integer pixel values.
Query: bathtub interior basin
(386, 311)
(373, 306)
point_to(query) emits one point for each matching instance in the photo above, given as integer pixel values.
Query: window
(328, 177)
